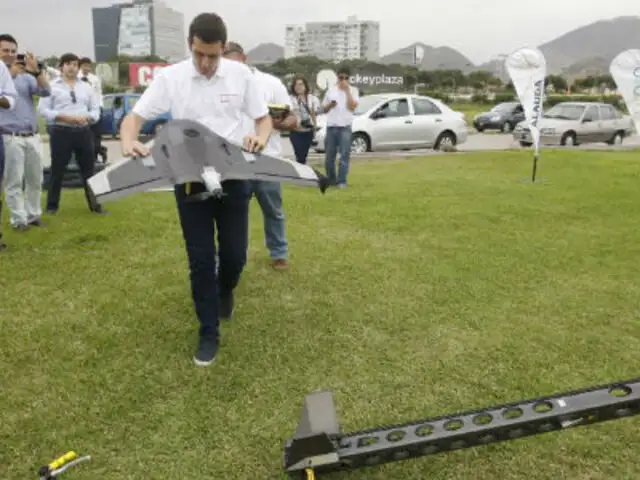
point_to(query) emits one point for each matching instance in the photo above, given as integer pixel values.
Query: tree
(558, 83)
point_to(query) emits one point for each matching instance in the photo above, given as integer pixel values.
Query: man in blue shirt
(8, 96)
(22, 143)
(69, 111)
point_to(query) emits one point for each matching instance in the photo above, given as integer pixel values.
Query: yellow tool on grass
(61, 465)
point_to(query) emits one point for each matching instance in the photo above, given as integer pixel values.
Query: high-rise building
(140, 28)
(334, 41)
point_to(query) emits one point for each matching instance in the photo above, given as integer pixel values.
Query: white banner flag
(625, 70)
(527, 68)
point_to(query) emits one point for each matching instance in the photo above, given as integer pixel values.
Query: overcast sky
(478, 29)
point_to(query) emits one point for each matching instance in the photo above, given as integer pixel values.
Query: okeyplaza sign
(326, 78)
(365, 79)
(141, 74)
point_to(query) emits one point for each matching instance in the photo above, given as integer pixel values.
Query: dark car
(504, 117)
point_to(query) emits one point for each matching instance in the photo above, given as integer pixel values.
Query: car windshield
(366, 103)
(565, 112)
(503, 107)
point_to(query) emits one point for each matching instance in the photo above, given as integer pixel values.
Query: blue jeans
(301, 143)
(338, 140)
(269, 196)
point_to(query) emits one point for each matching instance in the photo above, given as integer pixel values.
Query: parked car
(117, 105)
(504, 117)
(573, 123)
(397, 121)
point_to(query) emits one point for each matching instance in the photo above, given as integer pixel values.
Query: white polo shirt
(221, 102)
(340, 115)
(96, 85)
(273, 92)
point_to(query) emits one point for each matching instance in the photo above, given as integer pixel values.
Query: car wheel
(568, 139)
(360, 143)
(480, 129)
(445, 139)
(616, 139)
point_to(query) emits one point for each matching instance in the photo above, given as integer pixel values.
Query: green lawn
(470, 110)
(431, 285)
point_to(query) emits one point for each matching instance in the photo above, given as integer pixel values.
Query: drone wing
(189, 146)
(128, 176)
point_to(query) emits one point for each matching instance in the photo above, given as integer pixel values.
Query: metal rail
(319, 445)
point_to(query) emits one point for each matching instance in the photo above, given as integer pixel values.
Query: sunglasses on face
(343, 77)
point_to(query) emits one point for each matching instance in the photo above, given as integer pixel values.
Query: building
(334, 41)
(140, 28)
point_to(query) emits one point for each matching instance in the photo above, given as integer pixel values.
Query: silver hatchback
(573, 123)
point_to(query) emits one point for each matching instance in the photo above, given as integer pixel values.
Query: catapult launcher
(319, 447)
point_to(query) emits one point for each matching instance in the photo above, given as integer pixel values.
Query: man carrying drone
(218, 93)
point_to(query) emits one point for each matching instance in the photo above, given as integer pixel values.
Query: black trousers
(301, 143)
(96, 131)
(66, 142)
(227, 216)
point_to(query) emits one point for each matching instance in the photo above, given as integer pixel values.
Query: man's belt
(18, 134)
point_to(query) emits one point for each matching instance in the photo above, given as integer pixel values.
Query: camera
(306, 123)
(21, 58)
(277, 111)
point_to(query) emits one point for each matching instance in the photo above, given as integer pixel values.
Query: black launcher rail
(319, 447)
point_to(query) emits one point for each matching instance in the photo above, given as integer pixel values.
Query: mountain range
(586, 50)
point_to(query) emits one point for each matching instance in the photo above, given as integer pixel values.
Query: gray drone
(186, 151)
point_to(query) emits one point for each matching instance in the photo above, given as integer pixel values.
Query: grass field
(470, 110)
(431, 285)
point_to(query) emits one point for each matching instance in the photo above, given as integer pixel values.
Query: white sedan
(396, 121)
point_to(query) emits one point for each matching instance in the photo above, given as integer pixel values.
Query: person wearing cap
(269, 194)
(218, 93)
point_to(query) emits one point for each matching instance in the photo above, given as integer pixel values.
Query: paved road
(476, 142)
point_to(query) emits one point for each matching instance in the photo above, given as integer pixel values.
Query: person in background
(339, 103)
(269, 194)
(305, 106)
(69, 111)
(21, 139)
(8, 95)
(86, 75)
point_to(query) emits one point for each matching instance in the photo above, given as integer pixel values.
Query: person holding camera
(21, 139)
(269, 194)
(69, 111)
(339, 104)
(305, 106)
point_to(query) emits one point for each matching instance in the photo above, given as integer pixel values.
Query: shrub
(480, 98)
(504, 97)
(443, 97)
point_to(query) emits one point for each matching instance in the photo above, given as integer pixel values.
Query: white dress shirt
(96, 85)
(340, 115)
(273, 92)
(220, 102)
(7, 87)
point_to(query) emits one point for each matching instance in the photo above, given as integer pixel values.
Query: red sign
(141, 74)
